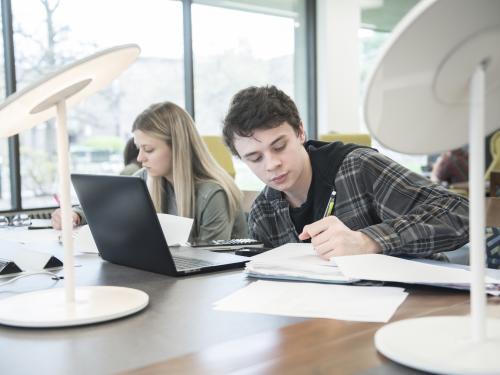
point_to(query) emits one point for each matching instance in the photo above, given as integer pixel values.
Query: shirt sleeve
(214, 220)
(255, 230)
(79, 210)
(270, 222)
(417, 217)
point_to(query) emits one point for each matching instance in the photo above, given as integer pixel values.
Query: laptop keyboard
(182, 263)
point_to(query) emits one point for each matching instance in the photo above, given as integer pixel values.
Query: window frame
(10, 84)
(10, 88)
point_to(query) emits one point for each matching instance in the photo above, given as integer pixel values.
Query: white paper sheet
(27, 257)
(24, 235)
(343, 302)
(176, 229)
(84, 241)
(387, 268)
(296, 261)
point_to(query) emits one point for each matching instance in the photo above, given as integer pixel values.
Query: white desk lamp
(439, 72)
(29, 107)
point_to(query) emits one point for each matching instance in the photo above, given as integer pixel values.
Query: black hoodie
(326, 159)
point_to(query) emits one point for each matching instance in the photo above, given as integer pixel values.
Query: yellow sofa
(220, 153)
(357, 138)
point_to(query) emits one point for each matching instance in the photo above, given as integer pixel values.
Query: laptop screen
(126, 229)
(123, 221)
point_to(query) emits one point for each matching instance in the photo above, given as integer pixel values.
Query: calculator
(234, 243)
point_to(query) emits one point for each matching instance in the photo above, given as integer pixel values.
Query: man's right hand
(56, 219)
(331, 237)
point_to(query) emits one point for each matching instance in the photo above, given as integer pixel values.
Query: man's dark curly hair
(255, 108)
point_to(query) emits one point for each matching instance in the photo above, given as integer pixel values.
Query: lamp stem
(65, 200)
(477, 203)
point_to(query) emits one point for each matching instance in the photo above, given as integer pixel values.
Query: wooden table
(464, 187)
(179, 332)
(322, 346)
(178, 320)
(317, 346)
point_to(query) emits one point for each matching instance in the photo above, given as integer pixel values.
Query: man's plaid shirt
(403, 212)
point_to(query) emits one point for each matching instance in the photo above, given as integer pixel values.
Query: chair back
(495, 184)
(357, 138)
(495, 155)
(220, 153)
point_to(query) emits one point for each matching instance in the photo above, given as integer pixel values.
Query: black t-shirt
(304, 214)
(326, 159)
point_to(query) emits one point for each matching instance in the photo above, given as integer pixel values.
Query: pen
(56, 198)
(330, 205)
(42, 227)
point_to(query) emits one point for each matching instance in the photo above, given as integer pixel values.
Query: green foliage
(110, 143)
(39, 172)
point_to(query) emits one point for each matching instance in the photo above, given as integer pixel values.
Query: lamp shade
(417, 100)
(49, 98)
(37, 102)
(437, 87)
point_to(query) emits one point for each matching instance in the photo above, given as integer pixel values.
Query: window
(4, 148)
(235, 44)
(50, 34)
(378, 23)
(251, 43)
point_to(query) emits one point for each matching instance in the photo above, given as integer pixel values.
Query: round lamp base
(48, 308)
(441, 345)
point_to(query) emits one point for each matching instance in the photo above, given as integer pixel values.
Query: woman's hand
(56, 219)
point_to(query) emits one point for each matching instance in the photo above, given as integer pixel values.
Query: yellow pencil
(331, 204)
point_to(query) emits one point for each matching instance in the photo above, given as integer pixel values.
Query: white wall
(338, 22)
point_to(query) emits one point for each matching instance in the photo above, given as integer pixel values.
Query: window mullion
(188, 57)
(10, 88)
(311, 69)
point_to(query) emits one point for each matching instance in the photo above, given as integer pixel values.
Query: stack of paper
(387, 268)
(312, 300)
(299, 261)
(295, 261)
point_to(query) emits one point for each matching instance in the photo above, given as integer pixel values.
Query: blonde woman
(183, 178)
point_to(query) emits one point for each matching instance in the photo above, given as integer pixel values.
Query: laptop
(126, 229)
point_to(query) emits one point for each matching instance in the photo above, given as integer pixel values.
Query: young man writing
(346, 199)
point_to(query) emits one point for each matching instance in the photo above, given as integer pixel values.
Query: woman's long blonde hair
(191, 160)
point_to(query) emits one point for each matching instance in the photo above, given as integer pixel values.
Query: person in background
(452, 166)
(130, 153)
(343, 198)
(183, 178)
